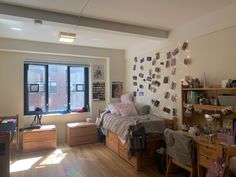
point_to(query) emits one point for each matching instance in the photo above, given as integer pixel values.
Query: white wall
(212, 53)
(13, 53)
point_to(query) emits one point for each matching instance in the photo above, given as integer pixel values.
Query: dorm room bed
(116, 129)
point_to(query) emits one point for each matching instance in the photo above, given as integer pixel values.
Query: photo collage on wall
(155, 75)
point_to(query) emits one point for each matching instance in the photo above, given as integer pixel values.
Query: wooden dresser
(38, 139)
(81, 133)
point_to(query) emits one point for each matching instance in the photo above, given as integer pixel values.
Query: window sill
(58, 114)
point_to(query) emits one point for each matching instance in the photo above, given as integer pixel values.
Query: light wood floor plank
(93, 160)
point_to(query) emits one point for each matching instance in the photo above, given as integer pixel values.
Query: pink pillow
(114, 108)
(128, 110)
(127, 98)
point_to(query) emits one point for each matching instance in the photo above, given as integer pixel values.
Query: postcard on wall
(99, 91)
(98, 73)
(117, 89)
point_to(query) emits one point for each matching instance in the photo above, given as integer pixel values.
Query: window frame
(46, 65)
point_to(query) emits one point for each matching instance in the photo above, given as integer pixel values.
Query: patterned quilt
(120, 125)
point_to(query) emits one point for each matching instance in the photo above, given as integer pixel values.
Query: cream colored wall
(212, 53)
(12, 59)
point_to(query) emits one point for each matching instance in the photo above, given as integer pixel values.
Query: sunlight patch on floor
(24, 164)
(55, 158)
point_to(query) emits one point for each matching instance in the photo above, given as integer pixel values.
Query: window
(55, 87)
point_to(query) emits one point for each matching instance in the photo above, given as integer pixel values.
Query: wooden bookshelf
(208, 92)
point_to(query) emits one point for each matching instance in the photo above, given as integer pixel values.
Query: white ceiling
(24, 28)
(164, 14)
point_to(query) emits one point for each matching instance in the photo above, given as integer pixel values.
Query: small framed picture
(117, 88)
(79, 87)
(34, 88)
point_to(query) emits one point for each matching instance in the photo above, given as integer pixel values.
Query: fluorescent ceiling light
(66, 37)
(16, 29)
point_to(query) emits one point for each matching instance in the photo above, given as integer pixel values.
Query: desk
(207, 151)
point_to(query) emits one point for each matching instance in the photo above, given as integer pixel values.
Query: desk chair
(180, 152)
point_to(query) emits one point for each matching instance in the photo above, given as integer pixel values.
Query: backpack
(218, 169)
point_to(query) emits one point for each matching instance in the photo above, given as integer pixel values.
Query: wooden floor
(93, 160)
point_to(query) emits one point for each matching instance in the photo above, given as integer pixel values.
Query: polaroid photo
(176, 51)
(154, 62)
(135, 83)
(141, 93)
(141, 67)
(187, 61)
(174, 112)
(141, 86)
(158, 55)
(135, 59)
(173, 62)
(141, 75)
(166, 110)
(173, 98)
(154, 76)
(150, 72)
(162, 63)
(166, 80)
(149, 78)
(149, 58)
(157, 69)
(173, 71)
(168, 55)
(173, 85)
(185, 45)
(153, 89)
(134, 67)
(135, 77)
(134, 94)
(167, 64)
(157, 83)
(142, 60)
(149, 86)
(167, 95)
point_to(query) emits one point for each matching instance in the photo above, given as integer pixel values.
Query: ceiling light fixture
(16, 29)
(66, 37)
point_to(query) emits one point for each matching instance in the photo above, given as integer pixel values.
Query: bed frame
(140, 159)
